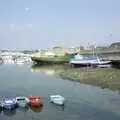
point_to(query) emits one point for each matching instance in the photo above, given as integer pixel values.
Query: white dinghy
(22, 101)
(57, 99)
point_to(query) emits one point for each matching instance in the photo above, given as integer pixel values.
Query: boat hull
(9, 104)
(36, 101)
(9, 107)
(87, 60)
(90, 64)
(22, 104)
(22, 101)
(57, 99)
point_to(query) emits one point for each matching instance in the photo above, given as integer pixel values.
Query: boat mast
(94, 49)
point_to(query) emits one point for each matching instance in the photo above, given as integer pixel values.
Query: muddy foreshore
(103, 77)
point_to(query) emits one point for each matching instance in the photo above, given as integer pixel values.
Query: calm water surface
(83, 102)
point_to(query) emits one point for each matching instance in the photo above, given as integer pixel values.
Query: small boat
(35, 101)
(8, 60)
(57, 99)
(22, 101)
(9, 103)
(87, 60)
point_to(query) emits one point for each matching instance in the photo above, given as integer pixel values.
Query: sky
(37, 24)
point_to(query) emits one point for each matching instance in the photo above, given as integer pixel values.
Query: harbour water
(83, 102)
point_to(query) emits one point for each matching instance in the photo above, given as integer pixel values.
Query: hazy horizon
(28, 24)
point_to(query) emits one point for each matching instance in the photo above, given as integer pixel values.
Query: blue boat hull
(9, 106)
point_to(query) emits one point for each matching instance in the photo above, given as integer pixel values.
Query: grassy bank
(103, 77)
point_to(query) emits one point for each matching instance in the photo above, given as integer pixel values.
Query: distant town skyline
(36, 24)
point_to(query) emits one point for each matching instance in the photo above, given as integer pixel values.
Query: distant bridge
(110, 55)
(107, 54)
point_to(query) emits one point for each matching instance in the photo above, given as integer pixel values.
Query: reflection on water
(58, 107)
(37, 110)
(23, 109)
(102, 77)
(84, 102)
(9, 113)
(46, 70)
(0, 110)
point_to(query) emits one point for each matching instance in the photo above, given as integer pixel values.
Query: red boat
(35, 101)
